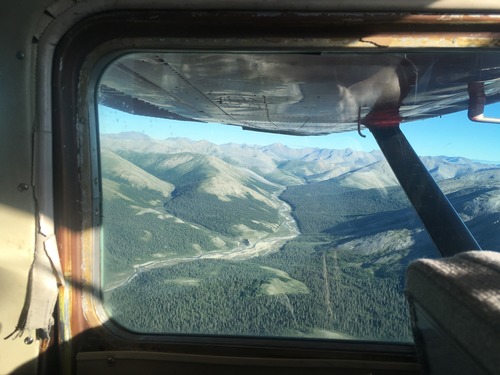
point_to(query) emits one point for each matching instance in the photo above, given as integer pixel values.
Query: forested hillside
(270, 241)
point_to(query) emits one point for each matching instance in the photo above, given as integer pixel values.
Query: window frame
(93, 43)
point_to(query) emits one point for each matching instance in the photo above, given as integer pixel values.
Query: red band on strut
(382, 118)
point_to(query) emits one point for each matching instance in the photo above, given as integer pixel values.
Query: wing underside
(296, 93)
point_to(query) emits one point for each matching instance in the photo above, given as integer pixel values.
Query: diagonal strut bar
(444, 225)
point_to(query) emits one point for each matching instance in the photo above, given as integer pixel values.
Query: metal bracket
(477, 101)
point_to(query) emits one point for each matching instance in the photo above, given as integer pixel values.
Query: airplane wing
(296, 93)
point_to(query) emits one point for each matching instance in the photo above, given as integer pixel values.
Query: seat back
(455, 309)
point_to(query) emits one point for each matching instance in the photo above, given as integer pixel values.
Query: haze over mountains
(300, 164)
(308, 239)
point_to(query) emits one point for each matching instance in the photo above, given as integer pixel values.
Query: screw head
(110, 361)
(22, 187)
(20, 55)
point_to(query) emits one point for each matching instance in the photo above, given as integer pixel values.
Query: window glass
(210, 228)
(463, 158)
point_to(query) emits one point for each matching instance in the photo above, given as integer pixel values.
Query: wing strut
(442, 222)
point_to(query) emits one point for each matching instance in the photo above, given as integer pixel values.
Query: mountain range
(306, 232)
(301, 165)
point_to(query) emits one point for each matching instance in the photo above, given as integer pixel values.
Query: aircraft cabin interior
(252, 187)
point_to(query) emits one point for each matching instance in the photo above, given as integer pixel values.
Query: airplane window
(214, 229)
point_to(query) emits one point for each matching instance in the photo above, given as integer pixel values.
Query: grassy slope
(167, 215)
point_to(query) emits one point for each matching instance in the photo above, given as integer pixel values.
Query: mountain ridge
(286, 165)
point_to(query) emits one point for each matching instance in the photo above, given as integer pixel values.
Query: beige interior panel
(17, 205)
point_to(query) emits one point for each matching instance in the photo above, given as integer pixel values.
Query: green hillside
(318, 207)
(205, 243)
(319, 283)
(231, 298)
(161, 207)
(229, 218)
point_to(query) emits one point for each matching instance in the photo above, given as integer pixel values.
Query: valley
(286, 231)
(268, 240)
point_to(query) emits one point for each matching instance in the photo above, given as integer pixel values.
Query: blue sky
(451, 135)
